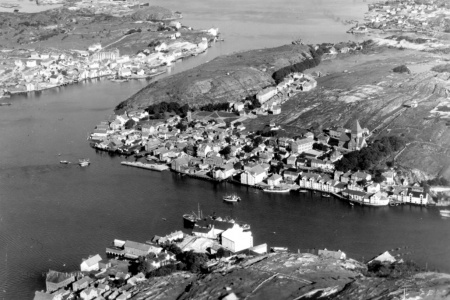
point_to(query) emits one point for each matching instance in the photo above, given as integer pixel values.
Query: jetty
(154, 167)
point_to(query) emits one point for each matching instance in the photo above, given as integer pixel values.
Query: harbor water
(53, 215)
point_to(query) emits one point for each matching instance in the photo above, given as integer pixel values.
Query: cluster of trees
(368, 157)
(441, 181)
(394, 270)
(266, 132)
(255, 103)
(187, 261)
(215, 106)
(160, 108)
(308, 63)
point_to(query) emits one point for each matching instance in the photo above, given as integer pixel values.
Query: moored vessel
(231, 198)
(445, 213)
(272, 189)
(84, 162)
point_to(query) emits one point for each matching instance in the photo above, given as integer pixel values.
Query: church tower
(357, 132)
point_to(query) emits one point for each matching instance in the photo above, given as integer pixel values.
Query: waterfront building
(135, 249)
(235, 239)
(253, 176)
(224, 172)
(56, 280)
(274, 180)
(91, 264)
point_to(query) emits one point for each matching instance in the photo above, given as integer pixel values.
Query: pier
(153, 167)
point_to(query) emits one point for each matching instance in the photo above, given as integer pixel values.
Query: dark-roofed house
(354, 195)
(56, 280)
(82, 283)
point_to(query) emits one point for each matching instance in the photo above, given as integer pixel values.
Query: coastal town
(131, 270)
(146, 42)
(28, 71)
(215, 145)
(245, 142)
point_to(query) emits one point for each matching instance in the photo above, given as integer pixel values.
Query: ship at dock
(191, 219)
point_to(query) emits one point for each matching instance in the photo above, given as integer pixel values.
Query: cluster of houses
(272, 97)
(208, 147)
(407, 15)
(48, 69)
(98, 277)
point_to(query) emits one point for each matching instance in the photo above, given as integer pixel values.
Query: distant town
(406, 16)
(26, 70)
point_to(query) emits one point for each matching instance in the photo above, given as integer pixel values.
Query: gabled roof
(92, 260)
(138, 246)
(57, 277)
(356, 128)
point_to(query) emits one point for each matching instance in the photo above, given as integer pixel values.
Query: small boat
(278, 249)
(231, 198)
(277, 190)
(445, 213)
(84, 162)
(325, 195)
(5, 104)
(64, 162)
(351, 204)
(303, 191)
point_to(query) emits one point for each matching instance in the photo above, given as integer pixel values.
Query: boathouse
(56, 280)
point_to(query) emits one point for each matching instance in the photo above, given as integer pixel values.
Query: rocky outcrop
(231, 77)
(294, 276)
(154, 13)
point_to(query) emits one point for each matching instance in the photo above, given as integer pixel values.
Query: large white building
(302, 145)
(90, 264)
(235, 239)
(266, 94)
(253, 176)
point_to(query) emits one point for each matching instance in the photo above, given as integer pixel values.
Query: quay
(154, 167)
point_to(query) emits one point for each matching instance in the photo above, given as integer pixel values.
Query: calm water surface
(53, 215)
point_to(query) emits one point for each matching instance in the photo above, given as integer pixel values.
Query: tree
(194, 261)
(130, 124)
(225, 151)
(247, 148)
(184, 109)
(258, 141)
(379, 178)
